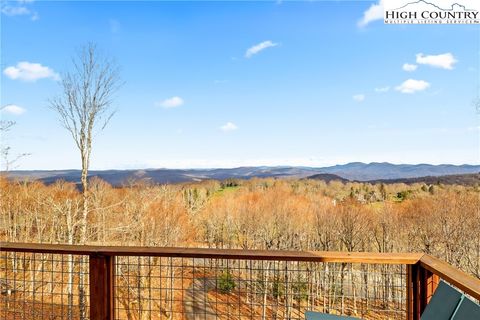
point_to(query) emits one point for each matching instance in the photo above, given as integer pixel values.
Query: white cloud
(15, 11)
(13, 109)
(359, 97)
(169, 103)
(412, 86)
(409, 67)
(382, 89)
(19, 9)
(229, 126)
(375, 12)
(444, 61)
(259, 47)
(28, 71)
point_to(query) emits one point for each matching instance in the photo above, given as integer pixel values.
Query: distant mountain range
(384, 170)
(422, 5)
(471, 179)
(357, 171)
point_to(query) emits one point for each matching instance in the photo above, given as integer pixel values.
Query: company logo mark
(431, 12)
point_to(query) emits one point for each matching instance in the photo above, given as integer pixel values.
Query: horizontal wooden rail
(423, 271)
(452, 275)
(445, 271)
(278, 255)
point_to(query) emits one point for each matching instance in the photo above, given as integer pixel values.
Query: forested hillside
(437, 219)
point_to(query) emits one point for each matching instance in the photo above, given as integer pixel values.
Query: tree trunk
(83, 239)
(70, 235)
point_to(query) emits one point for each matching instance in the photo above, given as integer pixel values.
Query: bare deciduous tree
(4, 149)
(5, 154)
(84, 105)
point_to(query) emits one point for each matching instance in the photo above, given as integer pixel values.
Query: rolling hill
(327, 177)
(471, 179)
(384, 170)
(352, 171)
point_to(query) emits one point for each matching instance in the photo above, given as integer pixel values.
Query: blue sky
(225, 84)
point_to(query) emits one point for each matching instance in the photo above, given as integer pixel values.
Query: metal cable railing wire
(86, 282)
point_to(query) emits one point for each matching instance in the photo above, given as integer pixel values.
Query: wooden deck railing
(423, 272)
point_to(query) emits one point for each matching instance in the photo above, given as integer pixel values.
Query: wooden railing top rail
(445, 271)
(452, 275)
(279, 255)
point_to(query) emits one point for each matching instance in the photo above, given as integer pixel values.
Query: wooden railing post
(412, 292)
(102, 296)
(421, 285)
(430, 282)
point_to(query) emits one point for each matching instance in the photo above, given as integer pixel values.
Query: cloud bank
(30, 72)
(172, 102)
(13, 109)
(412, 86)
(373, 13)
(409, 67)
(229, 126)
(443, 61)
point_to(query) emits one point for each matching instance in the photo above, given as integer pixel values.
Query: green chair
(446, 304)
(467, 309)
(443, 303)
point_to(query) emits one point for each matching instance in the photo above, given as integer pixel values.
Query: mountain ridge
(354, 171)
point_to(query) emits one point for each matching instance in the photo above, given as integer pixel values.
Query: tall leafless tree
(85, 106)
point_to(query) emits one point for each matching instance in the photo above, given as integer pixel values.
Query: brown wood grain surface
(458, 278)
(462, 280)
(310, 256)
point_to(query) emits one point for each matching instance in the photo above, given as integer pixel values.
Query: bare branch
(84, 105)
